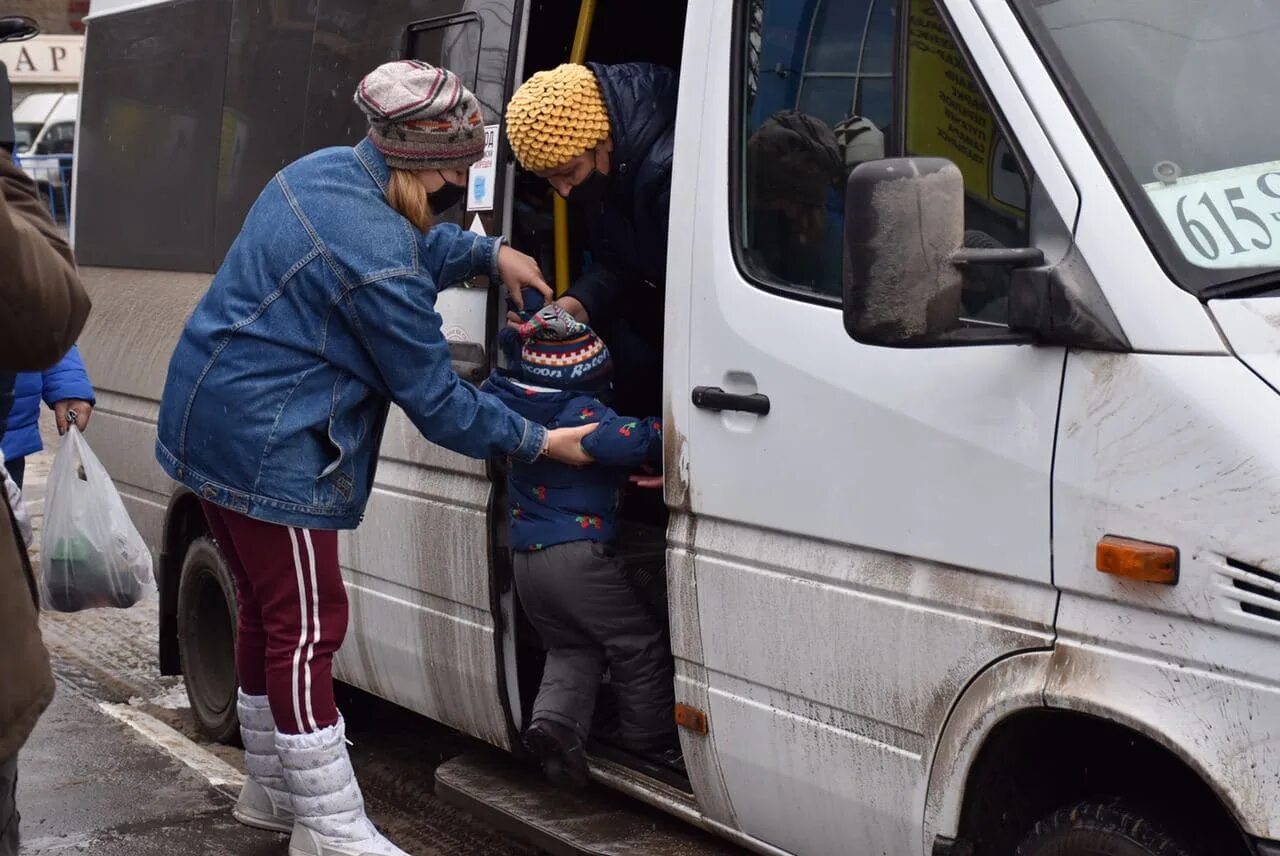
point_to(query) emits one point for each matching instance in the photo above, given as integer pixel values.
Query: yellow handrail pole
(560, 208)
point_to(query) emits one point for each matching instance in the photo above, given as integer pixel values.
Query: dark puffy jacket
(627, 237)
(553, 503)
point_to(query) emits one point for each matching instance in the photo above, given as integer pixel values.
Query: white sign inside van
(483, 173)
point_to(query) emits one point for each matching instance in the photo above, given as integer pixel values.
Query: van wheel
(207, 640)
(1099, 829)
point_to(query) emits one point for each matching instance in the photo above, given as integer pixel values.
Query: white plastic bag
(17, 505)
(90, 553)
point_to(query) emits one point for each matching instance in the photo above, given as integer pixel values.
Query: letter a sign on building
(44, 59)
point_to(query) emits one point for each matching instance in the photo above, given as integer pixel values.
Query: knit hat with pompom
(560, 352)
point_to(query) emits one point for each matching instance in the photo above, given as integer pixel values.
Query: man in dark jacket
(603, 137)
(44, 307)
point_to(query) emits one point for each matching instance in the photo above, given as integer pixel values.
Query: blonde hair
(406, 194)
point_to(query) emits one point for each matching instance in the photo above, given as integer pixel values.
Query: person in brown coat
(43, 305)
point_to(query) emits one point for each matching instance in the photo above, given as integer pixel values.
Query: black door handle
(715, 398)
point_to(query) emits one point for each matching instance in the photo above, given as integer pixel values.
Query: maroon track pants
(293, 614)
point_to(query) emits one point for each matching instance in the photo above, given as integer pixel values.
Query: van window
(151, 130)
(829, 85)
(23, 134)
(451, 42)
(60, 139)
(1187, 127)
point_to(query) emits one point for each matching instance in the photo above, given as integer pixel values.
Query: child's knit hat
(561, 352)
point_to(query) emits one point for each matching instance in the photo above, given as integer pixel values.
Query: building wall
(56, 17)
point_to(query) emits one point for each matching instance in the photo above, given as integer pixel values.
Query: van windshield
(1180, 97)
(23, 134)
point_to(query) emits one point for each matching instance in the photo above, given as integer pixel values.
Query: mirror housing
(904, 219)
(905, 261)
(1063, 304)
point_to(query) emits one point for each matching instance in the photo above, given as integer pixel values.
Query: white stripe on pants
(302, 670)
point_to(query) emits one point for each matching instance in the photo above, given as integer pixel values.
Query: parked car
(45, 128)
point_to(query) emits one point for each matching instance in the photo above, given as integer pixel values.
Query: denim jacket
(323, 313)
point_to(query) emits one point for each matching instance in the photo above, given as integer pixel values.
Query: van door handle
(715, 398)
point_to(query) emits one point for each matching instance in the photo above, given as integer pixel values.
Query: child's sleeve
(624, 441)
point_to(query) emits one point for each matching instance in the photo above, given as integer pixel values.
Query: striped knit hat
(421, 117)
(562, 353)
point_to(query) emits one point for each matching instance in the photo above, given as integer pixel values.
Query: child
(563, 524)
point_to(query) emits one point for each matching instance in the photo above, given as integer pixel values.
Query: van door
(418, 569)
(878, 517)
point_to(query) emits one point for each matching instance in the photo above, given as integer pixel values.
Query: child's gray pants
(588, 615)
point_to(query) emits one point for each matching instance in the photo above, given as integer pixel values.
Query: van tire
(1099, 829)
(207, 640)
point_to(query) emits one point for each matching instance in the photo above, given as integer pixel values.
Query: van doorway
(620, 33)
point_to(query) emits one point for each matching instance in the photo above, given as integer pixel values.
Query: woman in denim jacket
(321, 315)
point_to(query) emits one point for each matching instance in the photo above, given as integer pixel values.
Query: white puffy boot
(328, 807)
(264, 800)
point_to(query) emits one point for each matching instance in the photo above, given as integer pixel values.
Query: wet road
(88, 783)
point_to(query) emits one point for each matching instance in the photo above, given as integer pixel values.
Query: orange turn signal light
(691, 719)
(1138, 560)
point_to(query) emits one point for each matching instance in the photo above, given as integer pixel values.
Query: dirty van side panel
(136, 319)
(1176, 450)
(147, 165)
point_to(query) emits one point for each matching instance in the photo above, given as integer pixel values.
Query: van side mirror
(904, 218)
(905, 263)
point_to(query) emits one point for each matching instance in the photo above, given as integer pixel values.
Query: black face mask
(592, 190)
(446, 197)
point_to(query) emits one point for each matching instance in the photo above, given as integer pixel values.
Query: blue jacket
(323, 313)
(553, 503)
(628, 235)
(67, 379)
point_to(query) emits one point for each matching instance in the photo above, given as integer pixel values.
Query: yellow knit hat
(555, 116)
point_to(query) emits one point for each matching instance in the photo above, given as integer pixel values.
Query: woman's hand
(518, 271)
(64, 409)
(565, 445)
(572, 305)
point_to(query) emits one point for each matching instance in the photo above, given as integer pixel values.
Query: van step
(518, 801)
